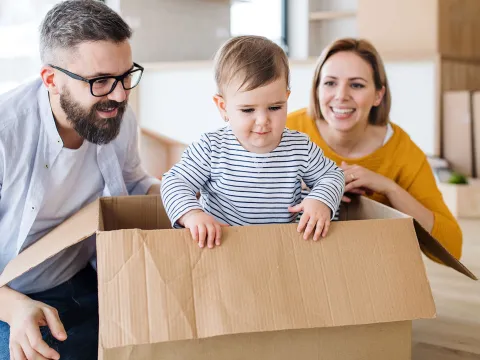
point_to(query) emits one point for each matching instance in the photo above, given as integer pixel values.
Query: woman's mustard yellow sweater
(402, 161)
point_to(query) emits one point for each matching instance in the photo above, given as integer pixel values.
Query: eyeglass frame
(118, 78)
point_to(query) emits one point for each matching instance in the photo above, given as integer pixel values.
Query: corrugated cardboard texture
(390, 341)
(457, 131)
(73, 230)
(134, 212)
(157, 286)
(362, 208)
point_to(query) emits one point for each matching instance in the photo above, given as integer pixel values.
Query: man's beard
(88, 124)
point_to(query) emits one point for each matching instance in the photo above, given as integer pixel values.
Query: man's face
(96, 119)
(88, 123)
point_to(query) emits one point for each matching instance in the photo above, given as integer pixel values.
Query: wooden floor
(455, 333)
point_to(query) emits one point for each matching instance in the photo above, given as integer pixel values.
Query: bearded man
(65, 139)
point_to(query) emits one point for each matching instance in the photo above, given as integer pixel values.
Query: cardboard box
(263, 294)
(461, 131)
(463, 200)
(458, 139)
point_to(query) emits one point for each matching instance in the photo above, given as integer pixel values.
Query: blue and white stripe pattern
(239, 187)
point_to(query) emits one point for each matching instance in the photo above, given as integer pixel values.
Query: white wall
(298, 29)
(177, 102)
(19, 36)
(414, 105)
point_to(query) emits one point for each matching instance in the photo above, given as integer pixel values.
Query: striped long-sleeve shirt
(239, 187)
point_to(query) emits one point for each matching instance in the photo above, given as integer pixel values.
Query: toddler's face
(258, 116)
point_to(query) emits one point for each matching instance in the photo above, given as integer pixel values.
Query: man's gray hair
(73, 22)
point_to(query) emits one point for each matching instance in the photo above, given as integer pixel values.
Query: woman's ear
(221, 106)
(379, 94)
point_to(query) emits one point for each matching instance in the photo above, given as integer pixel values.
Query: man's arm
(8, 298)
(24, 315)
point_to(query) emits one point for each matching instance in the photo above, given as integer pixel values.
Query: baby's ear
(219, 101)
(221, 105)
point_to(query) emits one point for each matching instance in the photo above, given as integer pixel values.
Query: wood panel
(460, 75)
(459, 28)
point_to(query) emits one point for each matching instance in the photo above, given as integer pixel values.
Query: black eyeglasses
(104, 85)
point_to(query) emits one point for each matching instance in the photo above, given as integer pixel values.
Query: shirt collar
(46, 115)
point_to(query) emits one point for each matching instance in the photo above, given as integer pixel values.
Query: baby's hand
(316, 216)
(203, 227)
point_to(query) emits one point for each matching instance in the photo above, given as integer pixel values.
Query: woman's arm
(422, 200)
(445, 227)
(401, 200)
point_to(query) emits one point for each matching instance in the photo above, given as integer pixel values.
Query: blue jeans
(77, 303)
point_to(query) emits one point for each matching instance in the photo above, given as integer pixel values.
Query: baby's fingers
(326, 227)
(211, 234)
(318, 230)
(218, 234)
(309, 229)
(202, 235)
(303, 222)
(194, 232)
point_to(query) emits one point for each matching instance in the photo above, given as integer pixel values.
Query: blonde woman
(348, 117)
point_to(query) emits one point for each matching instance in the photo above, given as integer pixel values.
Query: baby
(251, 171)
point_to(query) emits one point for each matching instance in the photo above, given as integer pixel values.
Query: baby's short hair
(256, 60)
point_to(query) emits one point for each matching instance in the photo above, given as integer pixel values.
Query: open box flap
(78, 227)
(363, 208)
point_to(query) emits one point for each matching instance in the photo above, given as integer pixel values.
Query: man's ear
(221, 106)
(47, 74)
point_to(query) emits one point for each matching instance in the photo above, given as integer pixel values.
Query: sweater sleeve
(182, 182)
(445, 228)
(324, 178)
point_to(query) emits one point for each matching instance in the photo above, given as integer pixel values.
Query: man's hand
(25, 338)
(205, 229)
(316, 216)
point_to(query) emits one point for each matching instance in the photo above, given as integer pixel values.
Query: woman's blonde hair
(379, 115)
(256, 59)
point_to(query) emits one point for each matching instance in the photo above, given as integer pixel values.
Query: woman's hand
(359, 180)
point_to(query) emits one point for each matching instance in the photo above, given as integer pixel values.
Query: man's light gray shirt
(30, 149)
